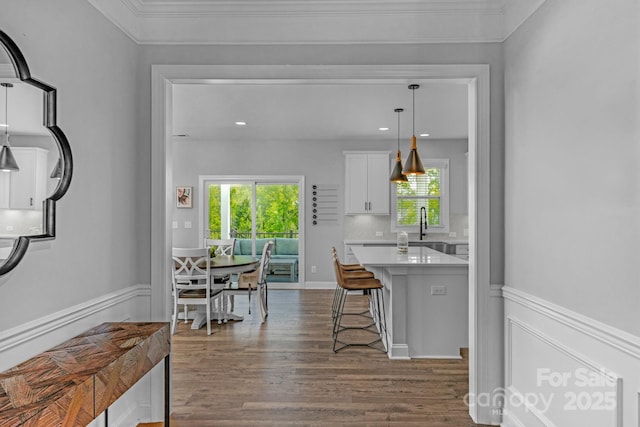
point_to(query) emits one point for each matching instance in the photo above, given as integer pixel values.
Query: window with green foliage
(430, 191)
(230, 210)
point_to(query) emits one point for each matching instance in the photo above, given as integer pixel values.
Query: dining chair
(221, 246)
(254, 281)
(218, 247)
(191, 282)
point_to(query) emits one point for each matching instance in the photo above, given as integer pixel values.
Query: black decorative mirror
(35, 161)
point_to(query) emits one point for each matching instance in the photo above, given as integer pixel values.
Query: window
(430, 191)
(244, 209)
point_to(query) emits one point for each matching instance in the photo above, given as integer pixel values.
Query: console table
(74, 382)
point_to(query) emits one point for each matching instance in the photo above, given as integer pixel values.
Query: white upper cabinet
(367, 183)
(27, 188)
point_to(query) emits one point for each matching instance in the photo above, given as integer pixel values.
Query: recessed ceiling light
(383, 128)
(424, 134)
(241, 123)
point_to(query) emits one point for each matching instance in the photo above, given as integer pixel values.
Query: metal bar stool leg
(336, 298)
(342, 297)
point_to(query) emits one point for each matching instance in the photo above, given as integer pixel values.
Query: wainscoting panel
(564, 369)
(128, 304)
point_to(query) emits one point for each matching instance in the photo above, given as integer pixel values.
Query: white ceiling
(317, 112)
(316, 21)
(308, 112)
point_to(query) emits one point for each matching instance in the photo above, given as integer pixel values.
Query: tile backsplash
(364, 227)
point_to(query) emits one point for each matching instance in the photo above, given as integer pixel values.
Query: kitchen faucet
(423, 219)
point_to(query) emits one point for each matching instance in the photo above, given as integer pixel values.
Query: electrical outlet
(9, 227)
(314, 269)
(187, 224)
(438, 290)
(379, 234)
(466, 232)
(453, 234)
(174, 224)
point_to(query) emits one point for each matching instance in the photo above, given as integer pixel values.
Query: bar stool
(347, 267)
(375, 313)
(349, 271)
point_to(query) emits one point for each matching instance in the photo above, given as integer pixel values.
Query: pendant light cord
(413, 111)
(398, 110)
(6, 109)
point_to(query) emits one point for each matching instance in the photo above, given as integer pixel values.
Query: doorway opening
(485, 328)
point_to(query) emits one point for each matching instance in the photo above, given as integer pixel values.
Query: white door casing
(484, 330)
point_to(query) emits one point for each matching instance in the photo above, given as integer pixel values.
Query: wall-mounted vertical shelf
(324, 204)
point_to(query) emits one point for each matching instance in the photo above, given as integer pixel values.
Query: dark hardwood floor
(284, 373)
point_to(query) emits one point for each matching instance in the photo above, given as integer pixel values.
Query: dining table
(223, 265)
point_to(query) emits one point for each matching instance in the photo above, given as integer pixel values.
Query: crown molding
(316, 21)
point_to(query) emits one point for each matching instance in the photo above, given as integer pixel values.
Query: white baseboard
(284, 285)
(399, 352)
(296, 285)
(563, 368)
(320, 285)
(129, 304)
(307, 285)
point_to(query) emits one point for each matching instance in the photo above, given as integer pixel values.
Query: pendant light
(7, 161)
(397, 175)
(413, 165)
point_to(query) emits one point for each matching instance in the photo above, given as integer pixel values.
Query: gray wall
(450, 53)
(103, 238)
(321, 162)
(572, 158)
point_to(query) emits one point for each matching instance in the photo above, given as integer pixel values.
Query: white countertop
(416, 256)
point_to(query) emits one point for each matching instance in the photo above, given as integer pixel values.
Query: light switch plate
(187, 224)
(379, 234)
(174, 224)
(453, 234)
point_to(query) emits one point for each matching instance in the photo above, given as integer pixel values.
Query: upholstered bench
(284, 257)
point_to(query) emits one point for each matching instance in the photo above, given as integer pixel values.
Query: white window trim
(444, 201)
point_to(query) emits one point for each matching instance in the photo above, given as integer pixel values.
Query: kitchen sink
(444, 247)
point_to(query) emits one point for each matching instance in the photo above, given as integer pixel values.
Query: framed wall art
(184, 197)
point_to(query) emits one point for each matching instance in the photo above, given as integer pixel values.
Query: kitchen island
(426, 300)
